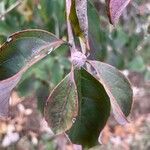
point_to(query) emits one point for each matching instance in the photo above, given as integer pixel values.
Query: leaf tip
(115, 9)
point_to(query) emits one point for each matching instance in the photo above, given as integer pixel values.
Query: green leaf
(42, 93)
(94, 110)
(137, 64)
(25, 48)
(117, 87)
(74, 19)
(57, 72)
(52, 14)
(120, 38)
(62, 105)
(97, 36)
(17, 54)
(116, 59)
(79, 20)
(2, 39)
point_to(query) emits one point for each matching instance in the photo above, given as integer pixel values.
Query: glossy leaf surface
(94, 109)
(117, 87)
(62, 105)
(17, 54)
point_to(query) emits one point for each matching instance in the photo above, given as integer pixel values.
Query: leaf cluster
(80, 104)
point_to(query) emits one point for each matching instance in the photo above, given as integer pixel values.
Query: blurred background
(125, 46)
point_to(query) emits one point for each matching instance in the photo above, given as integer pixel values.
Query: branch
(16, 4)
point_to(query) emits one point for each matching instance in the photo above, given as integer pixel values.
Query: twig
(16, 4)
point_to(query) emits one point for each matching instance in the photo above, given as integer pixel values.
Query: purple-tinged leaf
(6, 87)
(117, 87)
(115, 9)
(81, 10)
(62, 105)
(17, 54)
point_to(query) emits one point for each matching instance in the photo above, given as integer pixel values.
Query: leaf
(62, 105)
(57, 72)
(97, 36)
(52, 12)
(94, 109)
(81, 10)
(2, 39)
(117, 87)
(17, 54)
(42, 93)
(137, 64)
(74, 19)
(115, 9)
(79, 20)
